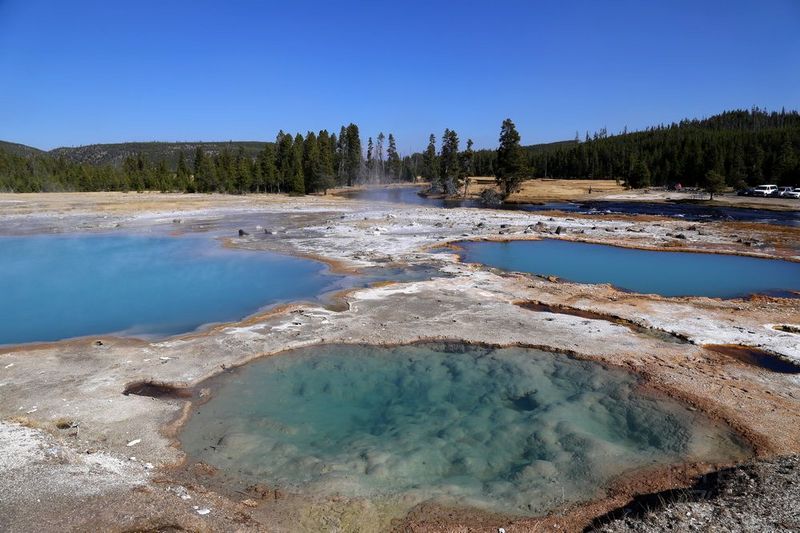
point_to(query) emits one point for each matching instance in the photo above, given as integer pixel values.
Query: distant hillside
(544, 147)
(115, 154)
(19, 149)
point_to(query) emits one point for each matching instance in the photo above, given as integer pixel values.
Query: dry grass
(27, 422)
(548, 190)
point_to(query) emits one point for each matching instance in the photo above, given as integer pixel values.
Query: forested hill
(746, 147)
(169, 152)
(293, 163)
(19, 149)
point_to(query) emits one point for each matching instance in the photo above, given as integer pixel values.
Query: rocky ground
(78, 454)
(758, 496)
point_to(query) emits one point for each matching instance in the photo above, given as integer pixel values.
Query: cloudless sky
(80, 71)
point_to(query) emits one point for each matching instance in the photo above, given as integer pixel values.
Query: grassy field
(549, 190)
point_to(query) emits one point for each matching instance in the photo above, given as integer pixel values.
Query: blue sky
(82, 72)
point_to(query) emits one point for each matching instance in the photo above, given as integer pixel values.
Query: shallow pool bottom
(512, 430)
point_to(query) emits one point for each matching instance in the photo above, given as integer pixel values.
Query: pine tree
(340, 161)
(381, 170)
(510, 170)
(267, 172)
(311, 156)
(284, 160)
(370, 159)
(203, 173)
(449, 164)
(714, 183)
(393, 162)
(429, 167)
(182, 172)
(324, 168)
(639, 174)
(297, 183)
(353, 159)
(224, 164)
(243, 168)
(467, 158)
(162, 177)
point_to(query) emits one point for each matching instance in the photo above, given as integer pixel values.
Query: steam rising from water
(513, 430)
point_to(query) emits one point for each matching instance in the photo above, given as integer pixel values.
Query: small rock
(134, 442)
(204, 511)
(250, 503)
(559, 230)
(243, 233)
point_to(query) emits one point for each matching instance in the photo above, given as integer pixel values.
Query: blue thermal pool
(61, 286)
(642, 271)
(512, 430)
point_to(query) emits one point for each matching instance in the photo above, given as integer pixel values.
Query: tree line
(734, 148)
(294, 164)
(744, 147)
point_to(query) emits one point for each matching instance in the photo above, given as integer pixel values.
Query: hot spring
(512, 430)
(642, 271)
(60, 286)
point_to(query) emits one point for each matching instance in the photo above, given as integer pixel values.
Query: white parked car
(794, 193)
(765, 190)
(784, 191)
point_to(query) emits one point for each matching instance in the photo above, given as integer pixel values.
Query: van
(765, 190)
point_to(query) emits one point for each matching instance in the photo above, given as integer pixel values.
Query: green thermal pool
(513, 430)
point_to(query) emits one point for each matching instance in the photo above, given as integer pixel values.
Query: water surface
(513, 430)
(61, 286)
(642, 271)
(685, 211)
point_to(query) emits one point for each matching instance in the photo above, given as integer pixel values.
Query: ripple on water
(513, 430)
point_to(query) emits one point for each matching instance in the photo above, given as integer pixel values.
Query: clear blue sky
(82, 72)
